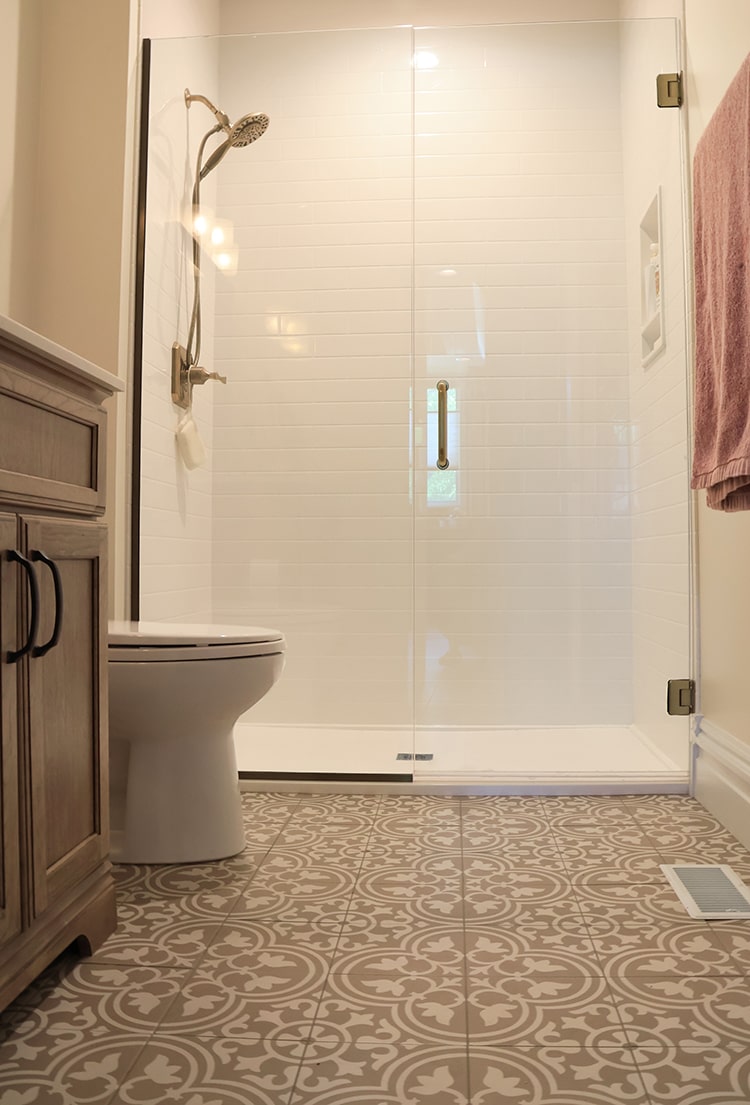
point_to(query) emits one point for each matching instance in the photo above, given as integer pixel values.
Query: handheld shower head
(247, 129)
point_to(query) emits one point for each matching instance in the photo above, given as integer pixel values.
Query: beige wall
(67, 80)
(80, 176)
(19, 111)
(718, 40)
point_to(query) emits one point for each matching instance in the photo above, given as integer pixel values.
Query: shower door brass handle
(442, 391)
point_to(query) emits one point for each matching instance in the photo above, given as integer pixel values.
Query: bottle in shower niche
(652, 279)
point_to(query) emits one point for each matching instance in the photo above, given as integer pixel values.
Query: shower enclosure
(440, 251)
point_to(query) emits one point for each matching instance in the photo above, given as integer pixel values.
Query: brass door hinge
(669, 89)
(680, 696)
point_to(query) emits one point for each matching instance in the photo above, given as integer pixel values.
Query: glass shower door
(546, 626)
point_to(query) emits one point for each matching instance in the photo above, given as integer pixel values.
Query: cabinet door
(68, 707)
(10, 887)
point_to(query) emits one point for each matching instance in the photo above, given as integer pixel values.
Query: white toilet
(175, 693)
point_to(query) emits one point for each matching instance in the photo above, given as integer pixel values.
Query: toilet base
(182, 802)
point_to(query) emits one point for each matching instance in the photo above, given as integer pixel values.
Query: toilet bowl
(175, 693)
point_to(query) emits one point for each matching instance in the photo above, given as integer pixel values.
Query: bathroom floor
(387, 950)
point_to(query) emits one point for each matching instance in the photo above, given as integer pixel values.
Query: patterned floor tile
(581, 812)
(735, 857)
(394, 1073)
(689, 949)
(289, 888)
(374, 1008)
(283, 958)
(679, 1012)
(157, 933)
(735, 937)
(411, 824)
(190, 884)
(563, 913)
(629, 870)
(532, 884)
(540, 851)
(339, 823)
(554, 1076)
(381, 924)
(83, 1072)
(340, 940)
(429, 888)
(501, 897)
(90, 1001)
(524, 951)
(421, 805)
(494, 806)
(422, 950)
(696, 1076)
(301, 848)
(277, 1000)
(405, 853)
(511, 825)
(646, 904)
(196, 1071)
(557, 1011)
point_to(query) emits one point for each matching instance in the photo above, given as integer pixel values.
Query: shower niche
(652, 295)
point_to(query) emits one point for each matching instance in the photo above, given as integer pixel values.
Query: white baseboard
(721, 777)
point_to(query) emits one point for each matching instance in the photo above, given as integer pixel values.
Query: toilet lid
(172, 635)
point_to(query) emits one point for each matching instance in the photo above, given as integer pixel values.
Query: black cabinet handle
(40, 650)
(14, 655)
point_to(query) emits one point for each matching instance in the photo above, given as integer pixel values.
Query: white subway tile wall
(523, 546)
(176, 512)
(312, 493)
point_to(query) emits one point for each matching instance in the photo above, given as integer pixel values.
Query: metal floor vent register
(710, 892)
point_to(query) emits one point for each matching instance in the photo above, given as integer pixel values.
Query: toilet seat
(164, 641)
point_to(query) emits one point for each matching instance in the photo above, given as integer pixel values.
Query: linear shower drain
(708, 891)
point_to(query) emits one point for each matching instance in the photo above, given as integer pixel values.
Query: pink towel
(721, 178)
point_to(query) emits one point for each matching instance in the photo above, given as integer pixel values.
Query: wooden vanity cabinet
(56, 885)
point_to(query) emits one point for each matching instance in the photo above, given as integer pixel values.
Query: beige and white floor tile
(678, 1011)
(381, 925)
(563, 1011)
(696, 1075)
(691, 949)
(429, 889)
(375, 1008)
(88, 1071)
(647, 904)
(554, 1076)
(735, 937)
(157, 933)
(540, 851)
(190, 1070)
(287, 889)
(530, 951)
(95, 1000)
(418, 950)
(280, 958)
(343, 1073)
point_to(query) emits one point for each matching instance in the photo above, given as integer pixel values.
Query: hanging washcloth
(721, 196)
(189, 444)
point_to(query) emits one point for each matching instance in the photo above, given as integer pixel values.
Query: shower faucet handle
(198, 375)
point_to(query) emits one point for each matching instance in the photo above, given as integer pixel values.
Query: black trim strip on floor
(325, 776)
